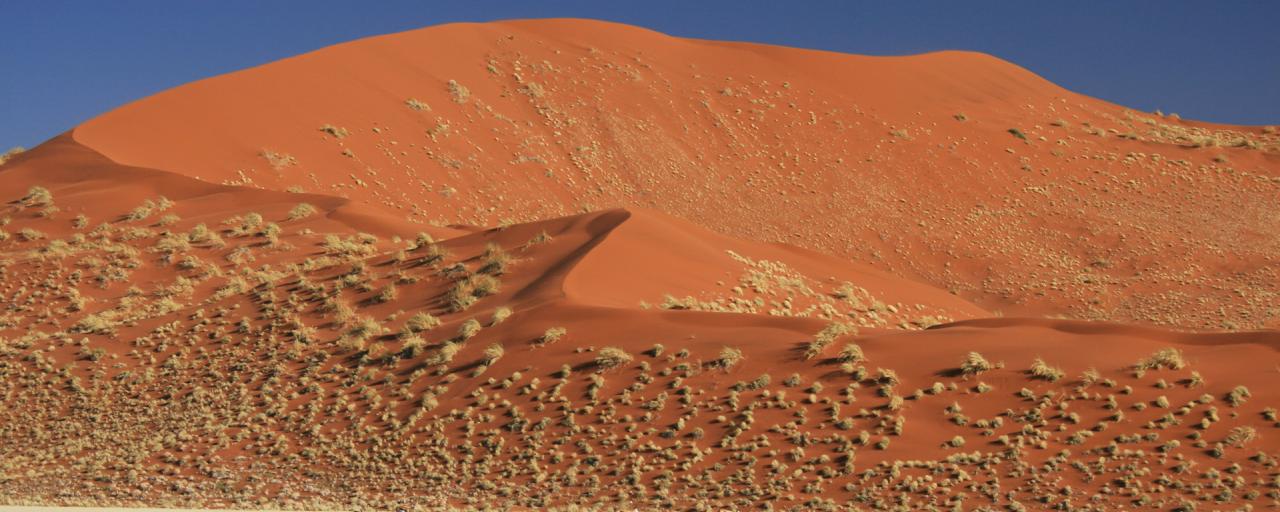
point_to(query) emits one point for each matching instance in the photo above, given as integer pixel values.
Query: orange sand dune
(905, 163)
(554, 263)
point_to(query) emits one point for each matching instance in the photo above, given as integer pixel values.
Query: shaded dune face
(546, 263)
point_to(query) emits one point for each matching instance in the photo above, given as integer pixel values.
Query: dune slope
(955, 168)
(610, 268)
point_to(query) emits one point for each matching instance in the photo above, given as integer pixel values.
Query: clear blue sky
(65, 61)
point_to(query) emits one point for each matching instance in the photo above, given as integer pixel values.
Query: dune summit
(562, 263)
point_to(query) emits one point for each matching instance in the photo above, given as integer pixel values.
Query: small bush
(1041, 370)
(493, 353)
(446, 354)
(335, 131)
(388, 293)
(1238, 395)
(826, 337)
(278, 160)
(612, 357)
(500, 315)
(459, 92)
(469, 329)
(552, 335)
(851, 353)
(302, 211)
(974, 364)
(414, 104)
(729, 357)
(494, 260)
(1240, 436)
(1170, 358)
(467, 291)
(421, 322)
(37, 196)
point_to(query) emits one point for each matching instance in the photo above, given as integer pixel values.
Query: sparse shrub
(500, 315)
(541, 238)
(729, 357)
(759, 382)
(1240, 436)
(420, 322)
(168, 220)
(30, 235)
(494, 260)
(974, 364)
(278, 160)
(458, 92)
(467, 291)
(1017, 133)
(851, 353)
(1238, 395)
(37, 196)
(612, 357)
(792, 381)
(1041, 370)
(413, 345)
(552, 335)
(469, 329)
(1170, 358)
(826, 337)
(388, 293)
(12, 152)
(335, 131)
(493, 353)
(414, 104)
(446, 354)
(302, 211)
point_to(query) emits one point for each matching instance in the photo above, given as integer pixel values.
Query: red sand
(643, 188)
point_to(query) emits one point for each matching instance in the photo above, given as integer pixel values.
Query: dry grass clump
(421, 322)
(612, 357)
(335, 131)
(1238, 395)
(1041, 370)
(467, 291)
(386, 294)
(278, 160)
(302, 211)
(445, 354)
(552, 335)
(500, 315)
(1240, 436)
(492, 353)
(851, 353)
(469, 329)
(37, 196)
(12, 152)
(414, 104)
(350, 247)
(494, 261)
(729, 357)
(1170, 358)
(975, 364)
(458, 92)
(826, 337)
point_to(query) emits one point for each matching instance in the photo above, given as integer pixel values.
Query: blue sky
(65, 61)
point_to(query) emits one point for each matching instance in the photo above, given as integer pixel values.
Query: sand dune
(563, 263)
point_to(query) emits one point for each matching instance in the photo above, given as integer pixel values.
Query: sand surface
(551, 263)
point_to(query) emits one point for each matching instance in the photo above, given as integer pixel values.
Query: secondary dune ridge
(554, 263)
